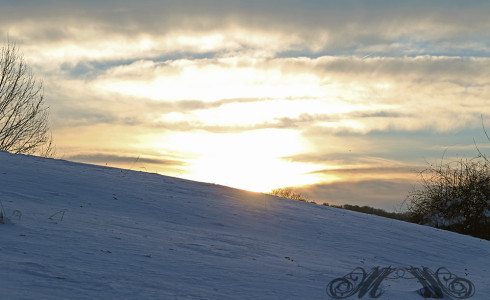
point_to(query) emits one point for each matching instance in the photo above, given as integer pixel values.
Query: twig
(62, 212)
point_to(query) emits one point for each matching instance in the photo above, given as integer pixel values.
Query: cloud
(230, 50)
(101, 158)
(327, 94)
(357, 165)
(386, 148)
(74, 31)
(322, 96)
(403, 170)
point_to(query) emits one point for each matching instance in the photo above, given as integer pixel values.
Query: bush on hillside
(289, 194)
(454, 196)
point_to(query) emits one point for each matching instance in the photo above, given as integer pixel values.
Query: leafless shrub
(454, 196)
(289, 194)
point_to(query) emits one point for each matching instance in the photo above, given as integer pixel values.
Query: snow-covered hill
(91, 232)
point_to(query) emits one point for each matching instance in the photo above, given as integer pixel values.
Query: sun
(252, 173)
(253, 160)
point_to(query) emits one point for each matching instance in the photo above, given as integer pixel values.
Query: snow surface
(92, 232)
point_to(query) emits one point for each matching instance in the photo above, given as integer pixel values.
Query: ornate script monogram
(434, 284)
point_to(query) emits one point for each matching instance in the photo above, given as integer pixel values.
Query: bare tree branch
(480, 154)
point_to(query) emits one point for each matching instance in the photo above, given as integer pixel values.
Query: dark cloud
(189, 105)
(380, 114)
(280, 123)
(421, 68)
(201, 126)
(335, 27)
(304, 121)
(403, 170)
(101, 158)
(82, 117)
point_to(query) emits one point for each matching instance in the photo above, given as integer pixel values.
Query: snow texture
(439, 220)
(91, 232)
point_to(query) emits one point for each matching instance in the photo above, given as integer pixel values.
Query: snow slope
(119, 234)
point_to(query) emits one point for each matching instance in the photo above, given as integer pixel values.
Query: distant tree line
(375, 211)
(289, 193)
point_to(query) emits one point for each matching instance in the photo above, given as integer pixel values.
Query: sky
(344, 100)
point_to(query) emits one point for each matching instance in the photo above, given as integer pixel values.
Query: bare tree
(23, 115)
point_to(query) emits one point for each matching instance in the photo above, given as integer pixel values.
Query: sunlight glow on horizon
(249, 160)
